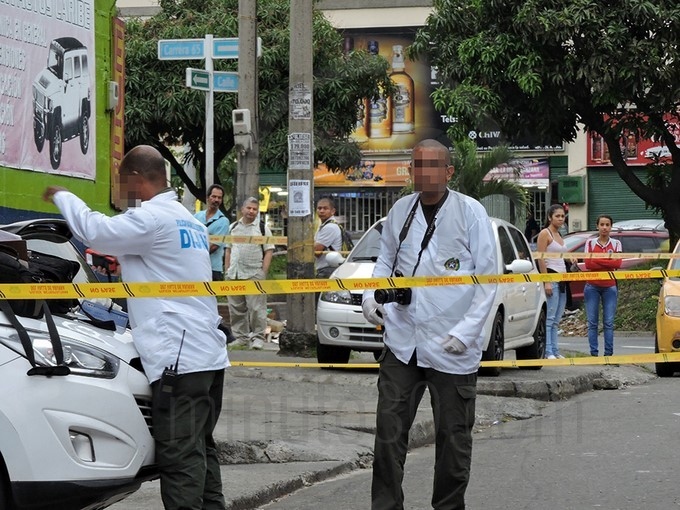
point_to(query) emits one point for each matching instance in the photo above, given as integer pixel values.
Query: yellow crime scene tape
(283, 240)
(624, 359)
(250, 287)
(253, 287)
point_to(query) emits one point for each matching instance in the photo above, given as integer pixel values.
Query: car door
(513, 295)
(70, 104)
(532, 292)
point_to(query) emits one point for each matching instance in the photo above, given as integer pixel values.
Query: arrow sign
(225, 81)
(227, 47)
(198, 79)
(181, 49)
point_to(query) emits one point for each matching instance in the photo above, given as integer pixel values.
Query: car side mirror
(519, 266)
(334, 259)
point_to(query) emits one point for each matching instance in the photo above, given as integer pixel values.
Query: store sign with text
(47, 87)
(635, 150)
(387, 128)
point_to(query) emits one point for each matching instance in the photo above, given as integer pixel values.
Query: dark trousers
(217, 276)
(400, 389)
(185, 449)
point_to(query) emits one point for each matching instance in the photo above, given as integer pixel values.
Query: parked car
(667, 338)
(516, 322)
(62, 97)
(632, 241)
(642, 224)
(81, 440)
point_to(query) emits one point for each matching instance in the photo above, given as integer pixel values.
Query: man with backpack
(328, 237)
(247, 261)
(218, 225)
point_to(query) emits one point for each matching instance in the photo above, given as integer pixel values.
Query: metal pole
(248, 171)
(299, 337)
(209, 123)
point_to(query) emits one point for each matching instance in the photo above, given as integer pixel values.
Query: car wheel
(537, 349)
(496, 349)
(55, 146)
(38, 136)
(4, 493)
(331, 353)
(663, 369)
(84, 128)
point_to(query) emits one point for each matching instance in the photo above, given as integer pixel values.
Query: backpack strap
(60, 368)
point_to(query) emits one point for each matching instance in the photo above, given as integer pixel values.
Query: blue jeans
(556, 303)
(593, 295)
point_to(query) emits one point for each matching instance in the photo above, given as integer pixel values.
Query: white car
(517, 320)
(81, 440)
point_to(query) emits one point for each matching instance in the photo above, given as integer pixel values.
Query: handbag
(40, 268)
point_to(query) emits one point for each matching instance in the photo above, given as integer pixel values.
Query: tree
(471, 169)
(161, 111)
(545, 66)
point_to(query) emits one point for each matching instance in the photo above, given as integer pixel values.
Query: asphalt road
(610, 450)
(623, 344)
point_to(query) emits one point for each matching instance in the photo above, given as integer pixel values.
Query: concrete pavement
(284, 428)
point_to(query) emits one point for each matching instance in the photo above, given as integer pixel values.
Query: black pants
(185, 449)
(400, 389)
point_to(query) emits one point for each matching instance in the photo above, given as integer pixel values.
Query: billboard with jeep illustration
(47, 84)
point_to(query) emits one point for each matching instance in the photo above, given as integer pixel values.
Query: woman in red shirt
(604, 291)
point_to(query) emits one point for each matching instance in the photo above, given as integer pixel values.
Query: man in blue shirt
(218, 225)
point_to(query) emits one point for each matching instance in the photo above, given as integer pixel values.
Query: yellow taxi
(668, 319)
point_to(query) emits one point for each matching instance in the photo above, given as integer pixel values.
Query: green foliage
(637, 304)
(278, 266)
(545, 66)
(161, 111)
(471, 168)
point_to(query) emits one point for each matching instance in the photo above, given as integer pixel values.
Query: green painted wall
(21, 190)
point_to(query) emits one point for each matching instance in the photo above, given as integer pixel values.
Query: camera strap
(429, 232)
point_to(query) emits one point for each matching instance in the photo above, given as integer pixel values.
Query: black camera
(399, 296)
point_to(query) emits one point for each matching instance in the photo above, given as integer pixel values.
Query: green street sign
(198, 79)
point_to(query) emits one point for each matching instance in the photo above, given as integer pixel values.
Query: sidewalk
(283, 428)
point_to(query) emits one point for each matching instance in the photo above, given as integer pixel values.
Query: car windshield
(573, 242)
(368, 247)
(67, 251)
(55, 62)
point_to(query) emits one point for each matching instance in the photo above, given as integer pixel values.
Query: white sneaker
(550, 356)
(257, 344)
(559, 356)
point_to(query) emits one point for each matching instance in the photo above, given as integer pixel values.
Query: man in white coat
(160, 241)
(433, 335)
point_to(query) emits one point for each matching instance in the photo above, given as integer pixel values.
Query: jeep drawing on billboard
(61, 98)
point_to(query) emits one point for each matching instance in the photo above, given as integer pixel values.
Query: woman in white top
(549, 240)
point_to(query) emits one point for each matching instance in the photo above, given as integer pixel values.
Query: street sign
(227, 47)
(225, 81)
(198, 79)
(181, 49)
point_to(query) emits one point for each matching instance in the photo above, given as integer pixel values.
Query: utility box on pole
(299, 338)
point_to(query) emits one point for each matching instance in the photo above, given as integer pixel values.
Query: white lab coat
(160, 241)
(462, 244)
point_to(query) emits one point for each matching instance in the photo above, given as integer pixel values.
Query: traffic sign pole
(211, 81)
(209, 124)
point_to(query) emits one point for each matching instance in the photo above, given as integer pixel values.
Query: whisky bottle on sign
(402, 104)
(380, 107)
(360, 133)
(631, 146)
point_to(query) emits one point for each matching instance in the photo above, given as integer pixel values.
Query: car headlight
(671, 306)
(81, 358)
(342, 297)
